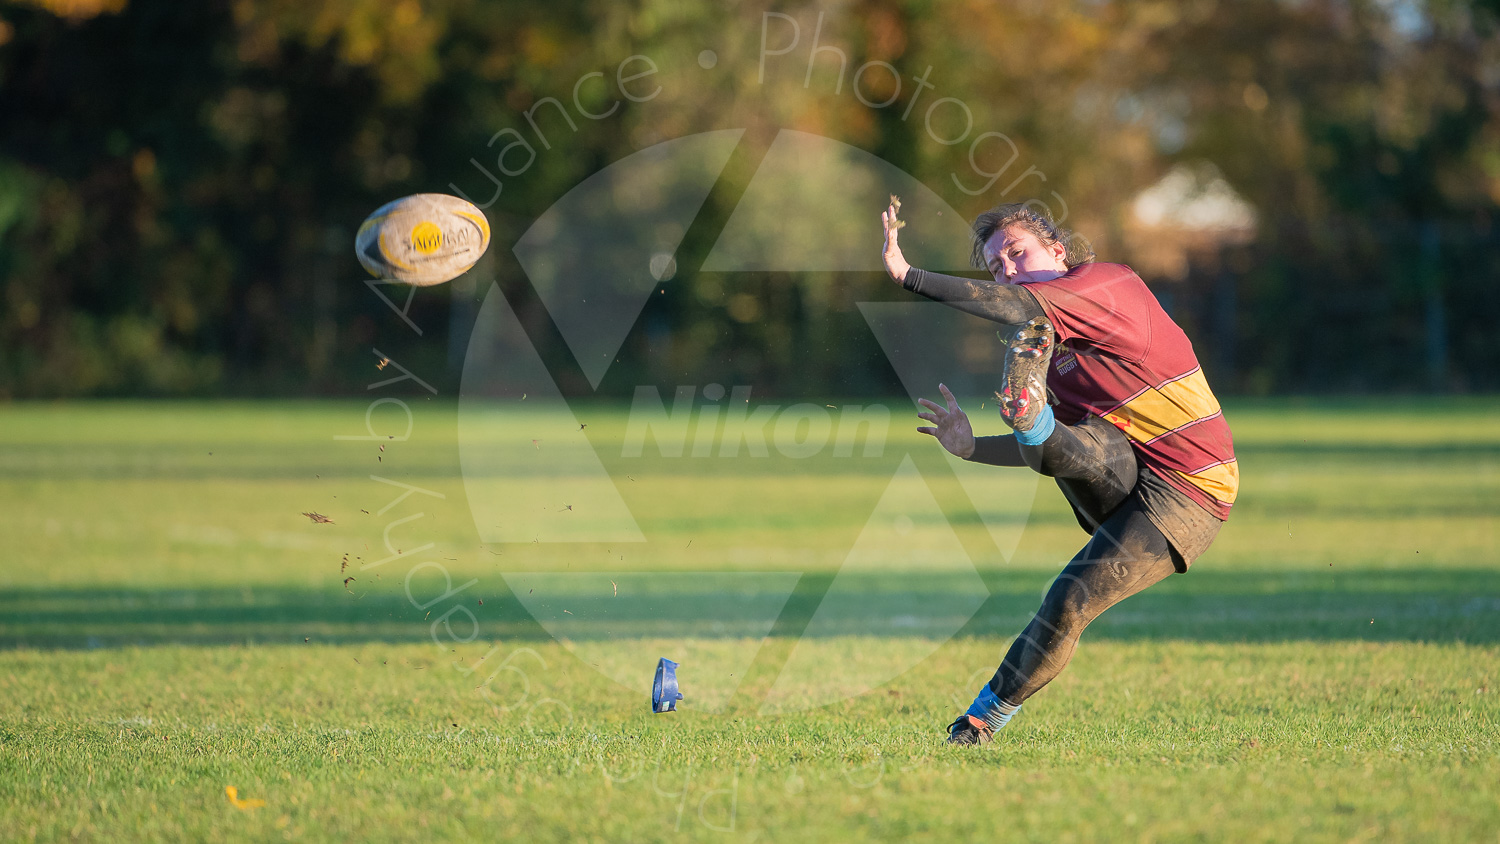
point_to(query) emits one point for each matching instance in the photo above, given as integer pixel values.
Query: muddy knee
(1066, 609)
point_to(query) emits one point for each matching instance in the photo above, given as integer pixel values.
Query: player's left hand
(952, 425)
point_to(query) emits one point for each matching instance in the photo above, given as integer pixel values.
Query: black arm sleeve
(997, 451)
(1007, 303)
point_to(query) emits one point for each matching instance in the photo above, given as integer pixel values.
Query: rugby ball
(426, 238)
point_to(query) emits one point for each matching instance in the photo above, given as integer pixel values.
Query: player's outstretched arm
(951, 428)
(1005, 303)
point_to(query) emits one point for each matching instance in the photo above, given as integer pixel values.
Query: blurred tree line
(180, 182)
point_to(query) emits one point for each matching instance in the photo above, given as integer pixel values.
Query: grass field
(172, 625)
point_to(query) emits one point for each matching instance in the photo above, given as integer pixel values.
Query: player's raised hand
(895, 262)
(950, 425)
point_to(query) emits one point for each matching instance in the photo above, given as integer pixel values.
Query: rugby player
(1104, 394)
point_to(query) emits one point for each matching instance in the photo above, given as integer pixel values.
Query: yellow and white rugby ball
(426, 238)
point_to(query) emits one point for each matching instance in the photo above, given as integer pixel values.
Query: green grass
(170, 624)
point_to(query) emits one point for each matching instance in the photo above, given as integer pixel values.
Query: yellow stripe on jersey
(1221, 481)
(1156, 412)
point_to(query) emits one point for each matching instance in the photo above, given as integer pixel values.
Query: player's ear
(1059, 251)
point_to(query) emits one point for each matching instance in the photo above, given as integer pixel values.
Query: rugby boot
(1023, 393)
(969, 730)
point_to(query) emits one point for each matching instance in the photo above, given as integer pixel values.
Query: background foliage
(179, 182)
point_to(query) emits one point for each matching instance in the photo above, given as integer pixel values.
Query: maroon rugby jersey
(1119, 356)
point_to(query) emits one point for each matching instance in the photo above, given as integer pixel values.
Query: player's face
(1015, 255)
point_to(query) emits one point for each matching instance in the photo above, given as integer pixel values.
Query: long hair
(1039, 223)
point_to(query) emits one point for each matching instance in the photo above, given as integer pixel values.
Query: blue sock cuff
(984, 703)
(1040, 430)
(988, 707)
